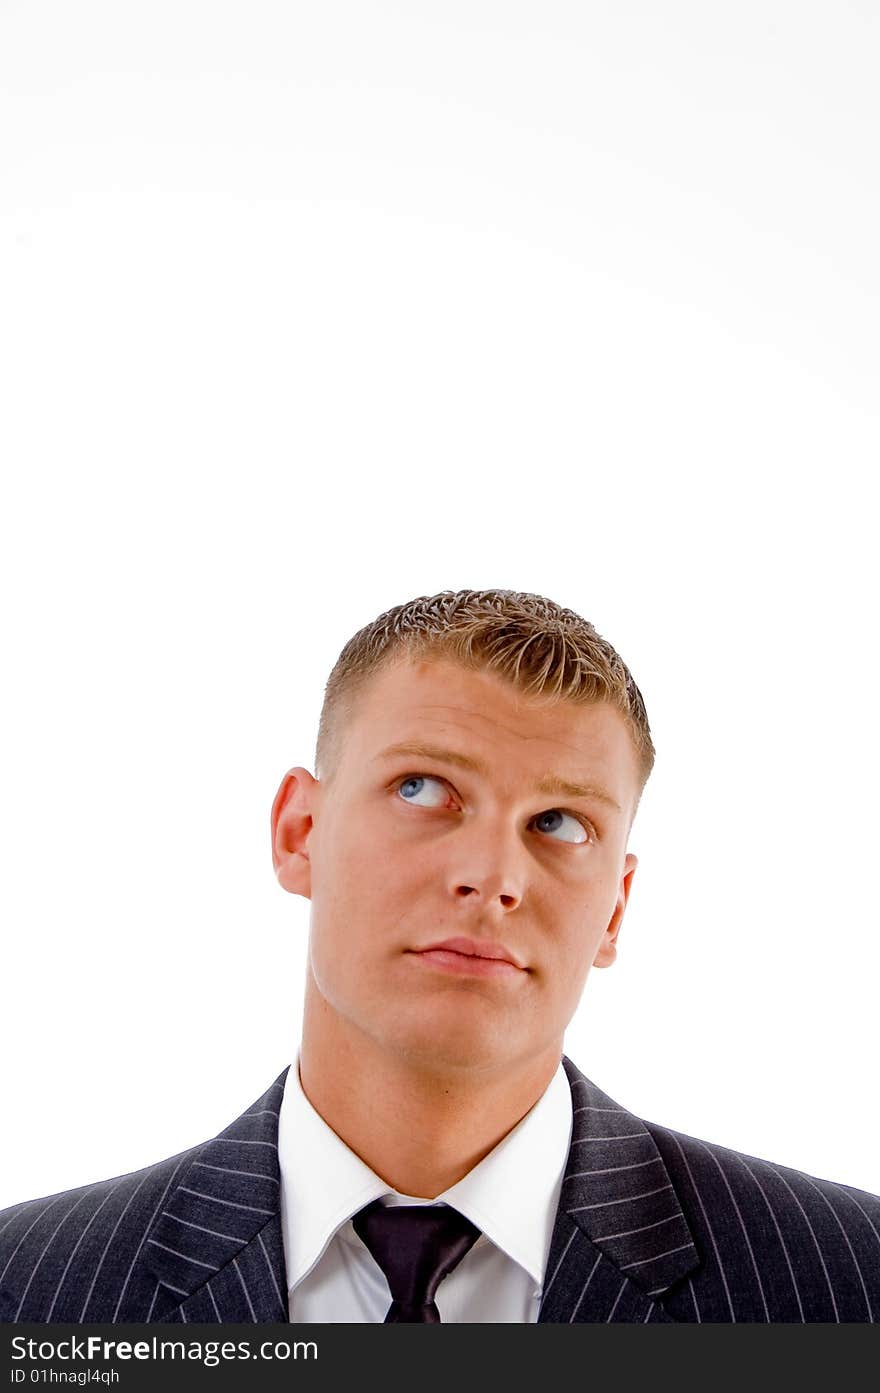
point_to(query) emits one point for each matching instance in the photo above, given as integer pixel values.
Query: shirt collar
(512, 1195)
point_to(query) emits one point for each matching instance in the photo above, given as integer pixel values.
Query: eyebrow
(551, 783)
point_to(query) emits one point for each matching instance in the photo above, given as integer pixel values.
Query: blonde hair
(545, 651)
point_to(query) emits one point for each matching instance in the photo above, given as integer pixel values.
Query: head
(503, 817)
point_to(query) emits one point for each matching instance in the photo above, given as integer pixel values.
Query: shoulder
(84, 1255)
(778, 1243)
(54, 1249)
(713, 1170)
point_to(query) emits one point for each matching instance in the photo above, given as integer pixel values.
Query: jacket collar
(620, 1239)
(222, 1221)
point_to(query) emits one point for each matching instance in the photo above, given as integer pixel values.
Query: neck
(421, 1125)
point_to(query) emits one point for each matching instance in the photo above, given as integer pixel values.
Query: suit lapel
(620, 1239)
(216, 1246)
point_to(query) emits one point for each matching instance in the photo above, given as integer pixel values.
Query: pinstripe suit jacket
(652, 1225)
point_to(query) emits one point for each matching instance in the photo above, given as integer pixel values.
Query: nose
(487, 864)
(507, 901)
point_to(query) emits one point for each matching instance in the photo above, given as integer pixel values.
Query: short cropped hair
(545, 651)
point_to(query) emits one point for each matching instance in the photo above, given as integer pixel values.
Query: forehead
(478, 713)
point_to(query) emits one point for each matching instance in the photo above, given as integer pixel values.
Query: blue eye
(553, 819)
(414, 782)
(557, 813)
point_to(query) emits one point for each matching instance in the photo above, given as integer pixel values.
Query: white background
(311, 309)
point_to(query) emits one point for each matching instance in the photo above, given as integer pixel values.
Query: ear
(608, 947)
(291, 825)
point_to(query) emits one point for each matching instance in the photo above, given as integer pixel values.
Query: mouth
(466, 964)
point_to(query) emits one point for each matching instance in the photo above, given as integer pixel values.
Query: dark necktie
(416, 1246)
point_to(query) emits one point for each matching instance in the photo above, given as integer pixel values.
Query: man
(432, 1155)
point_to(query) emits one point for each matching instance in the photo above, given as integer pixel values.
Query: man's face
(405, 850)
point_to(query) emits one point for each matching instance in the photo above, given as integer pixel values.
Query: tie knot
(416, 1246)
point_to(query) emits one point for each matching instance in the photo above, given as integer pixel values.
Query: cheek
(574, 952)
(367, 881)
(382, 867)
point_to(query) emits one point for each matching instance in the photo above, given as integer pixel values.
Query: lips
(474, 948)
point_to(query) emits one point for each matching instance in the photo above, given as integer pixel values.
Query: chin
(449, 1050)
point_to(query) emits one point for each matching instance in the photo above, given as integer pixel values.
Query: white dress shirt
(511, 1195)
